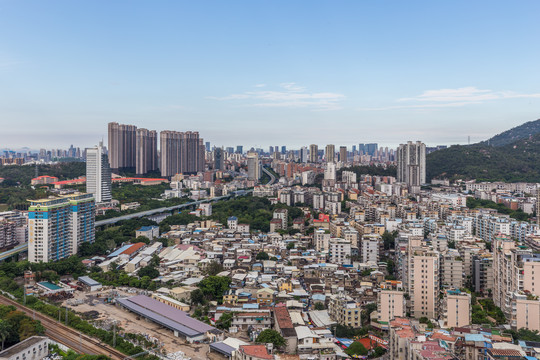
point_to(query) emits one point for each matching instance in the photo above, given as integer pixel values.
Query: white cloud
(259, 85)
(289, 96)
(453, 98)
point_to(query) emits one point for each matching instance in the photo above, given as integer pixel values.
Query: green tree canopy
(269, 336)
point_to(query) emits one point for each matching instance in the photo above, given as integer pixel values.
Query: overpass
(17, 249)
(24, 247)
(167, 209)
(269, 173)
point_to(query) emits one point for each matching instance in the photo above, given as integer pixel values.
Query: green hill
(520, 132)
(514, 162)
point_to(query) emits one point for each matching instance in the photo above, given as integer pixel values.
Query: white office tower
(303, 154)
(98, 174)
(330, 171)
(254, 167)
(411, 163)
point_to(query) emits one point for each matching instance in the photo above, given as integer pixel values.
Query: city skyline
(433, 72)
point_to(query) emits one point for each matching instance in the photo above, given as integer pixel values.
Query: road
(67, 336)
(161, 210)
(272, 177)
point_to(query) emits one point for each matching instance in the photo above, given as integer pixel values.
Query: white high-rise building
(411, 163)
(303, 154)
(330, 171)
(98, 174)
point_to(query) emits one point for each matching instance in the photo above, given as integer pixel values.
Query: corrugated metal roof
(156, 308)
(119, 251)
(222, 348)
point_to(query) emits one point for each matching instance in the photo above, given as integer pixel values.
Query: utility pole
(114, 334)
(66, 316)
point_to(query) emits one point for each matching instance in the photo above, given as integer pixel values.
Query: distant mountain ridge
(511, 156)
(520, 132)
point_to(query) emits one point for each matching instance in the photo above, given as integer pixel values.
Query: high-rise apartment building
(411, 163)
(13, 229)
(122, 145)
(254, 166)
(57, 227)
(146, 151)
(313, 153)
(218, 159)
(456, 308)
(330, 153)
(390, 305)
(239, 149)
(343, 154)
(423, 282)
(538, 205)
(181, 152)
(303, 154)
(98, 174)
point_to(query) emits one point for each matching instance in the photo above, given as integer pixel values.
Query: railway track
(67, 336)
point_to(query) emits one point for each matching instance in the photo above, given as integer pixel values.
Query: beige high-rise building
(313, 153)
(515, 277)
(456, 309)
(538, 204)
(147, 153)
(390, 305)
(423, 283)
(343, 154)
(330, 153)
(122, 145)
(254, 166)
(527, 313)
(181, 152)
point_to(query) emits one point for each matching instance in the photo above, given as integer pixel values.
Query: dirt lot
(84, 302)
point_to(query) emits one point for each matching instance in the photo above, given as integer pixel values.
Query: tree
(319, 306)
(197, 297)
(379, 351)
(356, 348)
(269, 336)
(148, 271)
(225, 321)
(368, 309)
(290, 246)
(213, 287)
(262, 256)
(5, 328)
(142, 239)
(214, 268)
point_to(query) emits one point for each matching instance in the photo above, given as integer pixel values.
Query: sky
(268, 72)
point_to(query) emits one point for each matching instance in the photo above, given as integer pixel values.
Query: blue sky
(264, 73)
